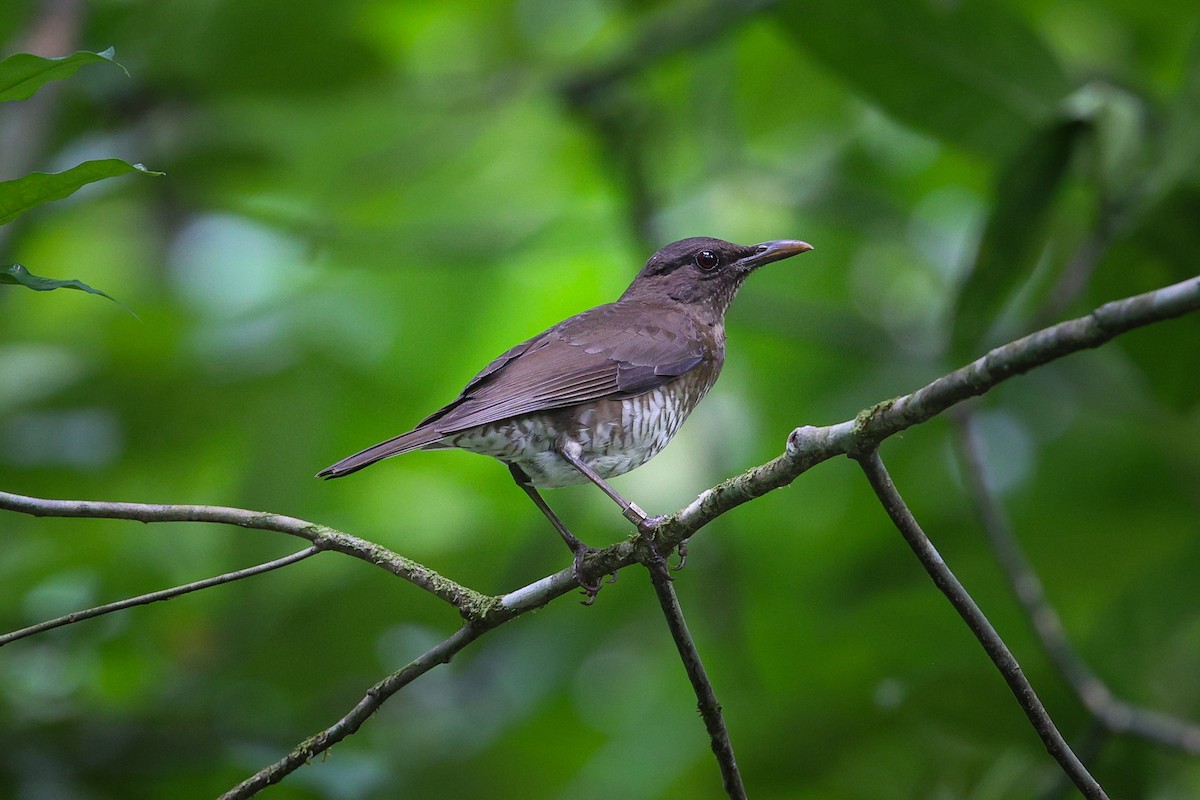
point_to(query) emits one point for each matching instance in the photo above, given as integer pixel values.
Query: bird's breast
(614, 434)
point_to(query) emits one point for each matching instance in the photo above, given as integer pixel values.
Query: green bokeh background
(365, 201)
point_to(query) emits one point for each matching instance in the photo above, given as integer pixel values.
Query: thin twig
(997, 651)
(164, 594)
(1116, 715)
(470, 603)
(1089, 744)
(706, 698)
(510, 606)
(374, 698)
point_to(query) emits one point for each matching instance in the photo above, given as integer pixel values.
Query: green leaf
(971, 73)
(1015, 230)
(18, 275)
(20, 195)
(22, 74)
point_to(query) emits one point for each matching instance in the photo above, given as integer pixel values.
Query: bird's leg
(578, 548)
(645, 523)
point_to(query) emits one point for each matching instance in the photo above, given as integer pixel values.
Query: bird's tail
(405, 442)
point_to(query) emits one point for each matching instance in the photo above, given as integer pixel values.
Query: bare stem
(966, 607)
(505, 608)
(808, 445)
(706, 698)
(375, 697)
(1114, 714)
(154, 597)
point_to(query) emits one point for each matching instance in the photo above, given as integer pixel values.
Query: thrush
(601, 392)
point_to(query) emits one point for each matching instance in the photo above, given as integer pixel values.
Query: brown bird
(603, 391)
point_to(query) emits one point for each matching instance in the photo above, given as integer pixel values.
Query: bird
(601, 392)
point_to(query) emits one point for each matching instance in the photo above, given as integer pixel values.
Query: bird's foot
(649, 525)
(682, 550)
(652, 557)
(645, 523)
(590, 589)
(646, 526)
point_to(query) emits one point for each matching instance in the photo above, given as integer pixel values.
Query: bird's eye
(707, 260)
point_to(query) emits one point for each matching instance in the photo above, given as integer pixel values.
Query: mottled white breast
(614, 435)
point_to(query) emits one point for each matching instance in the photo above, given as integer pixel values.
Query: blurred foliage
(366, 201)
(21, 75)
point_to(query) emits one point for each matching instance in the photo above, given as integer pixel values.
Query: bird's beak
(767, 252)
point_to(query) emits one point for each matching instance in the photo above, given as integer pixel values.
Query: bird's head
(705, 272)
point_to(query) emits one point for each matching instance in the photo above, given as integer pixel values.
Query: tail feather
(405, 442)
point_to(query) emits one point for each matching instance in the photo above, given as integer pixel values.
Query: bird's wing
(609, 351)
(619, 355)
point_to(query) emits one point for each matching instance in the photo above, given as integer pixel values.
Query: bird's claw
(682, 550)
(590, 590)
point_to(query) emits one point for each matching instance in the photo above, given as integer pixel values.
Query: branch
(164, 594)
(470, 604)
(509, 607)
(710, 709)
(484, 613)
(997, 651)
(808, 446)
(375, 697)
(1114, 714)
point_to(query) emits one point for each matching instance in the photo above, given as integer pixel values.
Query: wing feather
(577, 361)
(635, 349)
